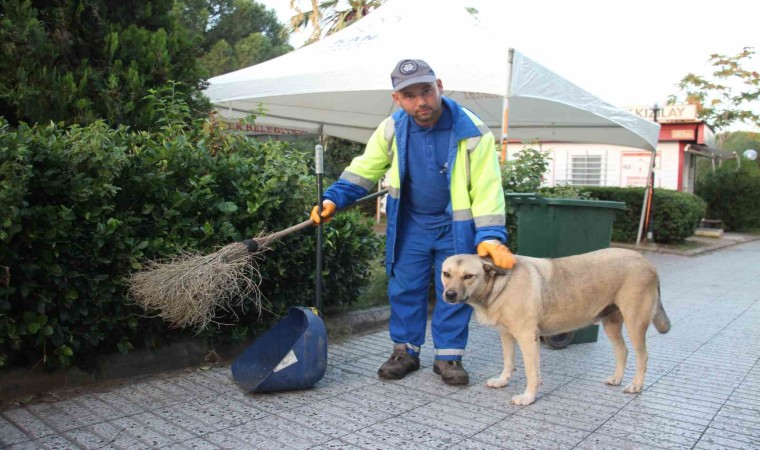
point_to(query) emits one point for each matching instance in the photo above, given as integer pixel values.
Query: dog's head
(466, 277)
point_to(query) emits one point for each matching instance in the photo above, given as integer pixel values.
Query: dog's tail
(660, 319)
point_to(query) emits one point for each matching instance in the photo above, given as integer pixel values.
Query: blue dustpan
(291, 355)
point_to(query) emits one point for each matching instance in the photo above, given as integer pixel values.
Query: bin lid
(536, 199)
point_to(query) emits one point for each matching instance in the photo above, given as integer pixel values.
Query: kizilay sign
(670, 113)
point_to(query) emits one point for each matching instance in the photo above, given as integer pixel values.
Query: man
(445, 198)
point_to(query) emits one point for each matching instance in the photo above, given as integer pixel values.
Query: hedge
(675, 215)
(733, 196)
(83, 207)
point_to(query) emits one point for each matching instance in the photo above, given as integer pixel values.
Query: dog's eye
(446, 275)
(468, 276)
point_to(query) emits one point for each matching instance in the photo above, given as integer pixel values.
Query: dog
(542, 297)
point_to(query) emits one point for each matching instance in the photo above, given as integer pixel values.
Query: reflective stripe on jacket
(477, 196)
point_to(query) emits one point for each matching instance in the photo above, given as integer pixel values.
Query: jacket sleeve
(487, 192)
(364, 171)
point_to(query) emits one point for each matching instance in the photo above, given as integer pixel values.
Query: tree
(330, 15)
(232, 33)
(726, 97)
(75, 61)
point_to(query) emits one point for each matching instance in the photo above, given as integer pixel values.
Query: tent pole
(646, 207)
(643, 213)
(505, 108)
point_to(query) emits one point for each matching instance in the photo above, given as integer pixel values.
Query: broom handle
(310, 222)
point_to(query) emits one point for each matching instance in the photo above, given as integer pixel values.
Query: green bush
(675, 215)
(83, 207)
(522, 174)
(733, 196)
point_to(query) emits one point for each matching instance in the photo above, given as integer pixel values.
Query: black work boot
(399, 364)
(451, 372)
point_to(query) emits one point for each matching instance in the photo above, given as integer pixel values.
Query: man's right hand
(328, 210)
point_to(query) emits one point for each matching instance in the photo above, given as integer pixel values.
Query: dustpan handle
(319, 169)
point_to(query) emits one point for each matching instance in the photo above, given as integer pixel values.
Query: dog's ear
(492, 270)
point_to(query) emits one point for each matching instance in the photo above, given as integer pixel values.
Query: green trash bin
(557, 227)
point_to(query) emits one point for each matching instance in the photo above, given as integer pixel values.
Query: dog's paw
(613, 381)
(523, 399)
(497, 382)
(632, 389)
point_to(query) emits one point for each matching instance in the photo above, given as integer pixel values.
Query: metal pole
(650, 225)
(505, 107)
(319, 169)
(648, 190)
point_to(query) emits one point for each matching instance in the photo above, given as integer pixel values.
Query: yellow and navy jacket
(477, 196)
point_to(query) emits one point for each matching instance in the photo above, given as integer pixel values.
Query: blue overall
(424, 241)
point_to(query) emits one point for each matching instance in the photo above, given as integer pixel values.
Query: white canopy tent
(340, 86)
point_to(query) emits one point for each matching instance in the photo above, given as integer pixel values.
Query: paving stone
(728, 439)
(644, 407)
(10, 434)
(276, 429)
(162, 426)
(474, 444)
(354, 409)
(492, 398)
(336, 444)
(28, 445)
(116, 436)
(373, 438)
(594, 393)
(529, 430)
(599, 441)
(55, 417)
(463, 418)
(25, 421)
(324, 420)
(271, 403)
(418, 433)
(192, 444)
(143, 433)
(644, 432)
(227, 440)
(187, 422)
(86, 439)
(730, 412)
(48, 443)
(111, 405)
(339, 381)
(749, 427)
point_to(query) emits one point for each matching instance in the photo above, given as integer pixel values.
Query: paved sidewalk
(702, 390)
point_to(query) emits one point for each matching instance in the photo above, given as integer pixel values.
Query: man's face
(422, 101)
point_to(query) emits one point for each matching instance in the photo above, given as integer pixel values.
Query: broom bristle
(190, 289)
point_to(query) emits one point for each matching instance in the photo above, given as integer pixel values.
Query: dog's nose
(451, 295)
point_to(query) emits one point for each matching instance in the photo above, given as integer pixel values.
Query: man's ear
(492, 270)
(394, 96)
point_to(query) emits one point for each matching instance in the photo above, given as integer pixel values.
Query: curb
(26, 383)
(359, 322)
(708, 244)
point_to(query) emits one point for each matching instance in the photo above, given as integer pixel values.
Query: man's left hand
(498, 252)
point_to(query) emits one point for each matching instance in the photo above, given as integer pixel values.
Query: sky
(626, 53)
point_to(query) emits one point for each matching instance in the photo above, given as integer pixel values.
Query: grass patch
(686, 245)
(376, 292)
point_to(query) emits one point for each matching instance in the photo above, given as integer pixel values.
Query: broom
(187, 290)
